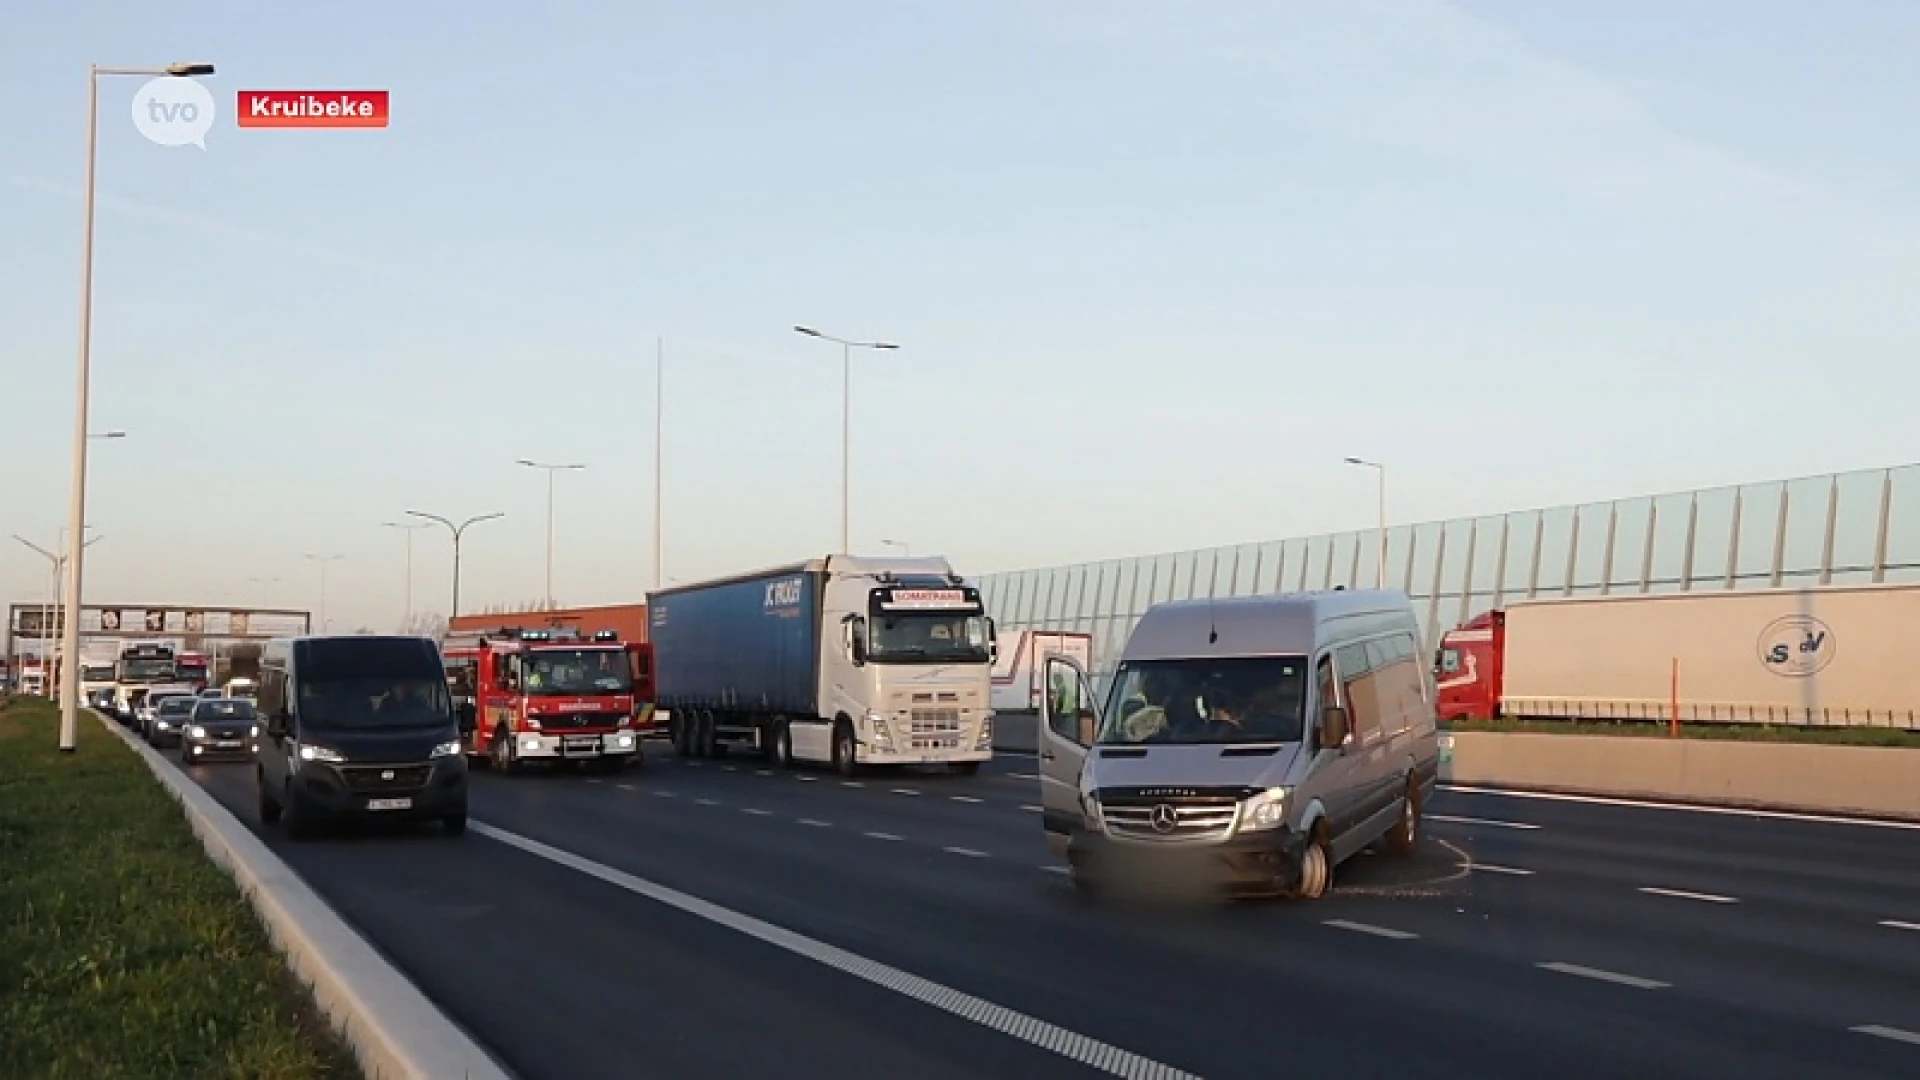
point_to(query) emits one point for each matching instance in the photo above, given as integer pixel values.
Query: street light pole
(457, 531)
(323, 560)
(659, 457)
(846, 425)
(551, 470)
(1380, 471)
(77, 509)
(408, 527)
(51, 614)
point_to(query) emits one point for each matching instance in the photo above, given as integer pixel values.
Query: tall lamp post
(551, 471)
(846, 424)
(77, 510)
(1381, 475)
(323, 560)
(457, 531)
(408, 527)
(52, 613)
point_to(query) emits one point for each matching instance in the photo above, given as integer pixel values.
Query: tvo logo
(1796, 646)
(783, 593)
(174, 112)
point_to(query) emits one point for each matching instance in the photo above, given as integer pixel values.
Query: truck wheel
(299, 822)
(1405, 835)
(677, 733)
(844, 750)
(501, 753)
(782, 744)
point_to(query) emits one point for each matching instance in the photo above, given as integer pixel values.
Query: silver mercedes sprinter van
(1248, 745)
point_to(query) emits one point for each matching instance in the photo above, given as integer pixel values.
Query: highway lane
(1424, 966)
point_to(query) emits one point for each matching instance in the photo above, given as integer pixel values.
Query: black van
(358, 726)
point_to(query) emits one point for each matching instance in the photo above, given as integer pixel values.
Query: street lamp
(846, 424)
(77, 511)
(456, 530)
(54, 610)
(1381, 473)
(659, 456)
(408, 527)
(323, 560)
(263, 582)
(901, 544)
(551, 470)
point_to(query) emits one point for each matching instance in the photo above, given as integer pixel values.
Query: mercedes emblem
(1163, 818)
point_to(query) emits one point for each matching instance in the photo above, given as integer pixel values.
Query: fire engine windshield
(578, 671)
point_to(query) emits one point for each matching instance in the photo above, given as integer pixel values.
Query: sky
(1155, 268)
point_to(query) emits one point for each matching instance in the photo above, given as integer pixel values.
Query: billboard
(38, 622)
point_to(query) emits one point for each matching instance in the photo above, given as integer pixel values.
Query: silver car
(1249, 745)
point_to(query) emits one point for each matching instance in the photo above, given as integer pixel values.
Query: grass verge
(1766, 733)
(124, 951)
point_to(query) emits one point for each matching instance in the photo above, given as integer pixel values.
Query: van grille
(1171, 815)
(376, 777)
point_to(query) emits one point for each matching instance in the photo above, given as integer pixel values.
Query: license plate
(389, 804)
(229, 744)
(583, 744)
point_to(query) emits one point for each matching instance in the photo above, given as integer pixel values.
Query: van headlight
(310, 752)
(445, 749)
(1267, 810)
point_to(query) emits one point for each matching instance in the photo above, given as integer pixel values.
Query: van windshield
(1256, 699)
(372, 682)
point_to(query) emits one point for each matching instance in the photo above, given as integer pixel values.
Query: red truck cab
(547, 696)
(1467, 672)
(193, 669)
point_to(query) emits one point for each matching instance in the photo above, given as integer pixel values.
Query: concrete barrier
(1852, 780)
(395, 1031)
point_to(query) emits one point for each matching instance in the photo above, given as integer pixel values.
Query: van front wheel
(1316, 870)
(1405, 835)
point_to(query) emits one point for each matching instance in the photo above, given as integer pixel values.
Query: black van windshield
(1258, 699)
(372, 682)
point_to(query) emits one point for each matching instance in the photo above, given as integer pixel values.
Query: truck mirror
(857, 640)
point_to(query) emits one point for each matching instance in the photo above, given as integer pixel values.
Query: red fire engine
(192, 668)
(551, 695)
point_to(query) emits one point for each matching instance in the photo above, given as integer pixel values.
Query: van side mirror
(1335, 730)
(278, 721)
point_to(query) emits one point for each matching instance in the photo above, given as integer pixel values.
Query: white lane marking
(706, 802)
(1032, 809)
(1105, 1057)
(763, 772)
(1604, 976)
(963, 798)
(1682, 894)
(1058, 869)
(1896, 1034)
(881, 836)
(1489, 868)
(756, 811)
(1368, 928)
(729, 768)
(691, 764)
(1024, 775)
(592, 780)
(1481, 821)
(628, 787)
(658, 794)
(967, 851)
(1896, 924)
(1651, 804)
(816, 823)
(851, 783)
(806, 779)
(904, 791)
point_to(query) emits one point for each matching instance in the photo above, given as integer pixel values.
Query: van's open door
(1068, 721)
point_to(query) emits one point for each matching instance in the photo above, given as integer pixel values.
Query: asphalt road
(721, 919)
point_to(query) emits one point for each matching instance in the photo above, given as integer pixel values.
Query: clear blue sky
(1156, 267)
